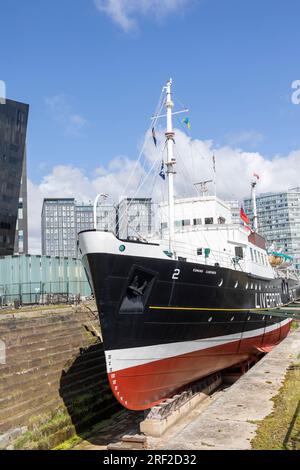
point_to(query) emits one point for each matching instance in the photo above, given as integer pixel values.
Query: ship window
(251, 252)
(209, 220)
(239, 252)
(247, 286)
(220, 283)
(137, 291)
(186, 222)
(199, 251)
(210, 319)
(251, 287)
(180, 258)
(249, 318)
(232, 318)
(221, 220)
(255, 256)
(164, 225)
(197, 221)
(236, 284)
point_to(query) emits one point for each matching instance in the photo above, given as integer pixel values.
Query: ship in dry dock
(191, 302)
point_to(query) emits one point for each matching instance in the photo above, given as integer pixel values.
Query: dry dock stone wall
(53, 382)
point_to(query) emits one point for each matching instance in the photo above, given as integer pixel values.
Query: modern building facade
(59, 233)
(235, 207)
(279, 220)
(21, 237)
(63, 219)
(13, 128)
(134, 218)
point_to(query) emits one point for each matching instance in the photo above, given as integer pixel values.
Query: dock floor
(230, 421)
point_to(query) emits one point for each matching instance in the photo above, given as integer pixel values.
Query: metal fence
(33, 279)
(29, 293)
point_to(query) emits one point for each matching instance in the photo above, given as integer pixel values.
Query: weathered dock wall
(53, 380)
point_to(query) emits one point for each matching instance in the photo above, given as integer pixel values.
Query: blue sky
(232, 62)
(92, 72)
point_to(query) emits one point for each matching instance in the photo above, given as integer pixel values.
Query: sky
(92, 72)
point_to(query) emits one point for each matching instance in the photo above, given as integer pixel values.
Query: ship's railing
(208, 256)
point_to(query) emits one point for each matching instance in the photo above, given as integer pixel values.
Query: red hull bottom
(143, 386)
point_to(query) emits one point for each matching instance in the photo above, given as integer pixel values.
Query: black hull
(145, 302)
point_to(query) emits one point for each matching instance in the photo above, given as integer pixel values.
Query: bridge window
(197, 221)
(239, 252)
(209, 220)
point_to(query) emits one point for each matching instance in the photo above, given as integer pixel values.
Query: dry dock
(230, 422)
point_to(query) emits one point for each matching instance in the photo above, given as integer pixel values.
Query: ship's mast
(171, 161)
(253, 192)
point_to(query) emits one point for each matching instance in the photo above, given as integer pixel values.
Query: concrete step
(24, 377)
(20, 338)
(49, 356)
(20, 413)
(18, 325)
(40, 396)
(40, 346)
(46, 327)
(24, 417)
(18, 395)
(15, 393)
(59, 345)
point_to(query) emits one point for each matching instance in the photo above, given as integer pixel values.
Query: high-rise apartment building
(279, 220)
(235, 208)
(134, 218)
(13, 127)
(59, 233)
(63, 219)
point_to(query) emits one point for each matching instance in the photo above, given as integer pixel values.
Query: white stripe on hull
(118, 359)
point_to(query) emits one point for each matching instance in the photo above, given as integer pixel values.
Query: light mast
(253, 193)
(171, 161)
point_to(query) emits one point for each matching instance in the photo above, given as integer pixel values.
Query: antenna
(253, 193)
(203, 186)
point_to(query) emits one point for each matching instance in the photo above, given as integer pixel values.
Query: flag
(244, 216)
(214, 163)
(162, 171)
(154, 136)
(187, 122)
(256, 175)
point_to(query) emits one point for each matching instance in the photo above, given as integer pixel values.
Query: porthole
(220, 283)
(210, 319)
(236, 284)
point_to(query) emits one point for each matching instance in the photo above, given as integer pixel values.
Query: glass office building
(21, 237)
(134, 218)
(279, 220)
(13, 127)
(59, 233)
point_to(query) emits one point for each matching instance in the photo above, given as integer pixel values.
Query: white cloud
(252, 138)
(72, 123)
(123, 176)
(125, 12)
